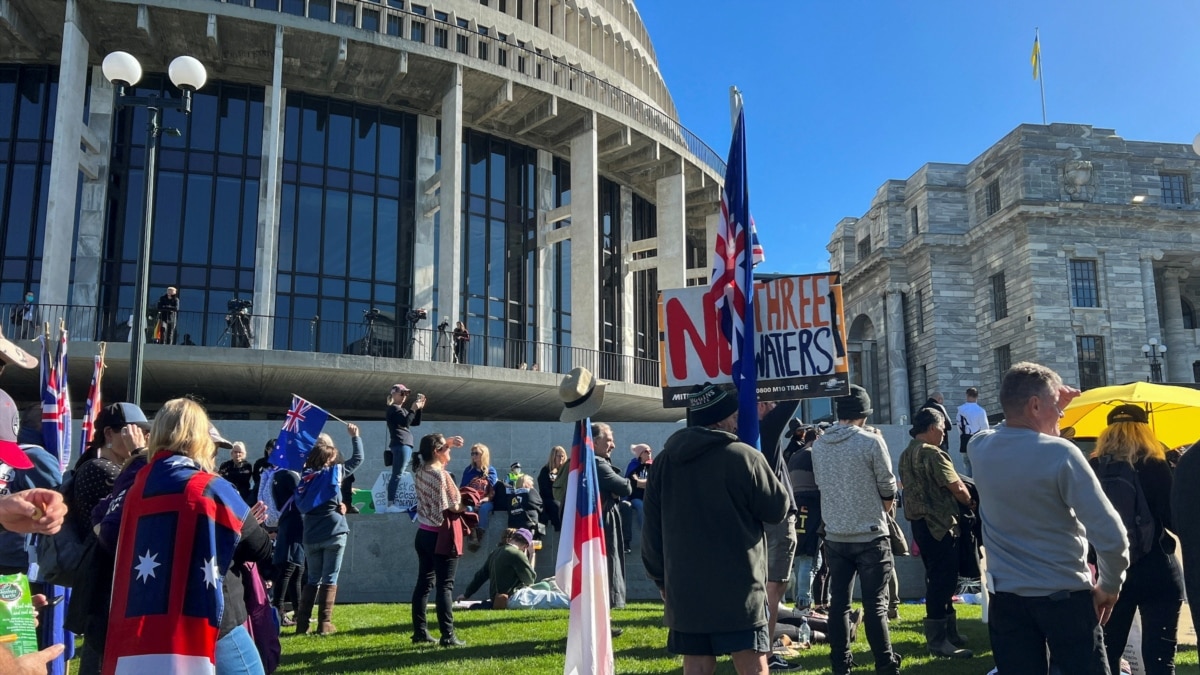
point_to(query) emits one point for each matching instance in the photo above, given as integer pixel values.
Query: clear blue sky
(841, 96)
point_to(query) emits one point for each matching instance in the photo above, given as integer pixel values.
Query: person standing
(168, 312)
(938, 403)
(1185, 504)
(932, 495)
(853, 470)
(1133, 461)
(807, 496)
(24, 318)
(436, 495)
(711, 538)
(972, 419)
(552, 508)
(400, 438)
(613, 488)
(240, 472)
(781, 537)
(1040, 506)
(461, 338)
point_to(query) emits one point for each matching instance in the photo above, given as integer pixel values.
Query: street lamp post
(1154, 351)
(123, 70)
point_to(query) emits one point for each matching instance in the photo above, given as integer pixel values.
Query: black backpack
(64, 558)
(1123, 488)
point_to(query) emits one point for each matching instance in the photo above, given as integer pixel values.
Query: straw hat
(581, 394)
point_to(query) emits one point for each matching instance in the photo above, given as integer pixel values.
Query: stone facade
(991, 263)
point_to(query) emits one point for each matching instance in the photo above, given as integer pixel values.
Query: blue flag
(301, 427)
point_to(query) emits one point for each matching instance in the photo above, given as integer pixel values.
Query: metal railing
(380, 338)
(378, 18)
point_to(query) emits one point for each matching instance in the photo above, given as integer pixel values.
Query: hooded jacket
(854, 472)
(707, 500)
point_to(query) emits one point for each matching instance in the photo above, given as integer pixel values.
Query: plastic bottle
(804, 634)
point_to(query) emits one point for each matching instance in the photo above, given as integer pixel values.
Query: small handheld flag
(301, 426)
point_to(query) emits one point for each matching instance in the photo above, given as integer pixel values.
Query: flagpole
(331, 415)
(1041, 75)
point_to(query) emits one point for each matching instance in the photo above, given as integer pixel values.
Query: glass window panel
(395, 25)
(314, 118)
(133, 214)
(345, 14)
(191, 278)
(339, 180)
(331, 287)
(311, 175)
(168, 198)
(294, 7)
(496, 260)
(171, 160)
(198, 220)
(318, 9)
(333, 252)
(229, 166)
(389, 149)
(20, 223)
(385, 294)
(219, 278)
(253, 167)
(291, 132)
(362, 226)
(385, 241)
(284, 283)
(249, 234)
(201, 161)
(287, 227)
(233, 120)
(306, 285)
(360, 290)
(201, 124)
(388, 187)
(40, 217)
(8, 99)
(477, 156)
(31, 102)
(365, 134)
(225, 220)
(363, 183)
(339, 135)
(498, 171)
(308, 229)
(254, 127)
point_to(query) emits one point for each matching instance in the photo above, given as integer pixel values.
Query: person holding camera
(400, 438)
(461, 338)
(168, 312)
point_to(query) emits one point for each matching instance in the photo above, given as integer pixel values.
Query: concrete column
(585, 246)
(711, 224)
(545, 263)
(1178, 368)
(93, 200)
(671, 216)
(427, 207)
(266, 249)
(628, 329)
(58, 244)
(897, 363)
(1149, 295)
(449, 271)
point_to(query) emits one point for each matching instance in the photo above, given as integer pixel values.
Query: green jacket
(506, 570)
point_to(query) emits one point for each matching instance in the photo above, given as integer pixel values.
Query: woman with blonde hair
(481, 476)
(551, 509)
(1131, 465)
(178, 518)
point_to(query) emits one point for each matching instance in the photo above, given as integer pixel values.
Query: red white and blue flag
(91, 407)
(56, 402)
(179, 529)
(581, 570)
(301, 426)
(737, 253)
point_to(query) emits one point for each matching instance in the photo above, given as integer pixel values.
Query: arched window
(1189, 321)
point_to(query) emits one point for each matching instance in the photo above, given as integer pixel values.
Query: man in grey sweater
(853, 469)
(1041, 505)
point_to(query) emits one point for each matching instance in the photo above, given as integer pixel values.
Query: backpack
(64, 558)
(1124, 490)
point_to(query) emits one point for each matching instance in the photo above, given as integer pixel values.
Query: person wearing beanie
(932, 495)
(853, 470)
(711, 537)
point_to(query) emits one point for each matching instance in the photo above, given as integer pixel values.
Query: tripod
(369, 338)
(441, 343)
(240, 335)
(412, 338)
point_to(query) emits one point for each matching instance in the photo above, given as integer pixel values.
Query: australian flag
(301, 426)
(737, 252)
(581, 570)
(179, 529)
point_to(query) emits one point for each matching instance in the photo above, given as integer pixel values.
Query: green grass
(375, 639)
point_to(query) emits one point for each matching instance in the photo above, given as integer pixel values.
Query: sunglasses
(476, 453)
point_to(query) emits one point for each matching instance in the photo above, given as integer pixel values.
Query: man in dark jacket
(168, 313)
(613, 487)
(1185, 504)
(712, 538)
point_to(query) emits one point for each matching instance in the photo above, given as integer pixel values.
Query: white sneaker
(395, 508)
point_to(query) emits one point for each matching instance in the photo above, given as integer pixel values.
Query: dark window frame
(1174, 187)
(999, 297)
(1085, 282)
(1090, 358)
(991, 197)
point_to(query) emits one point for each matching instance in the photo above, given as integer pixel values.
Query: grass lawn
(375, 639)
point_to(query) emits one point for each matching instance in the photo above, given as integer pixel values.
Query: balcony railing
(377, 17)
(380, 338)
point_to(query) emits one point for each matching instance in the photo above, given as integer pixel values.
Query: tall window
(561, 293)
(864, 248)
(999, 297)
(645, 297)
(1085, 285)
(1091, 361)
(1174, 188)
(914, 220)
(991, 197)
(1002, 356)
(346, 223)
(610, 281)
(920, 311)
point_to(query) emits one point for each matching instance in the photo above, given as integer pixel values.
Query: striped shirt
(436, 492)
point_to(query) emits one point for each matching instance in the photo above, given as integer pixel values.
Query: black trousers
(1021, 628)
(872, 562)
(1151, 588)
(941, 569)
(433, 569)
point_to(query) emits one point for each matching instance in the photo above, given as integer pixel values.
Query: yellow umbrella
(1174, 411)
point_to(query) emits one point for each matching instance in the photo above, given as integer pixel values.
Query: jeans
(806, 569)
(401, 458)
(941, 569)
(433, 568)
(324, 560)
(237, 655)
(873, 562)
(485, 515)
(629, 511)
(1151, 590)
(1022, 627)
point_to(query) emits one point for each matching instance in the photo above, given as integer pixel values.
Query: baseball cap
(10, 422)
(218, 439)
(399, 388)
(115, 416)
(514, 467)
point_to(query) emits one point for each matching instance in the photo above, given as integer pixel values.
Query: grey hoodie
(854, 471)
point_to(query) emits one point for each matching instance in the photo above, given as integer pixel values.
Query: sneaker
(893, 614)
(395, 508)
(777, 663)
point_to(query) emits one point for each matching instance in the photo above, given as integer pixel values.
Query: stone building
(1063, 244)
(513, 164)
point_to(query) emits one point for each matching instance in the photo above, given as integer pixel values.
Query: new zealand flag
(178, 531)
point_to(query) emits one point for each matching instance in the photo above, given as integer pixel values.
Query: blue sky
(841, 96)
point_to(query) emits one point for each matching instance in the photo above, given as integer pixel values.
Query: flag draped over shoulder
(91, 407)
(301, 427)
(56, 405)
(737, 252)
(179, 529)
(581, 570)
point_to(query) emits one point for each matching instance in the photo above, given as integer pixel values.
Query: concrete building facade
(1064, 244)
(512, 164)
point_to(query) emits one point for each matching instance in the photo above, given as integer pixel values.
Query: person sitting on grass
(507, 569)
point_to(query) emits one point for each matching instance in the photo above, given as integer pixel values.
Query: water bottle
(804, 634)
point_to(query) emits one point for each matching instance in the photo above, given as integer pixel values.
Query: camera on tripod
(444, 325)
(237, 306)
(371, 315)
(415, 315)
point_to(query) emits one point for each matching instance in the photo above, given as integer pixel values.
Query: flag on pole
(56, 406)
(301, 426)
(737, 253)
(91, 407)
(581, 570)
(1035, 59)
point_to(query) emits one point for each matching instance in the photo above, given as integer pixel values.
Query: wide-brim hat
(11, 353)
(10, 423)
(582, 395)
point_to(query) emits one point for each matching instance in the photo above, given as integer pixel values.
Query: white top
(972, 418)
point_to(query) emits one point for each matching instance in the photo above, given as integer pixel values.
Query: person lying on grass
(506, 569)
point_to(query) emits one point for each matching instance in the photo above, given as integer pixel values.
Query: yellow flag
(1036, 58)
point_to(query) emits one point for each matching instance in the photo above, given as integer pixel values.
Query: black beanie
(853, 406)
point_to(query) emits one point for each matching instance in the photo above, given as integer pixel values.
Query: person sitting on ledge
(507, 569)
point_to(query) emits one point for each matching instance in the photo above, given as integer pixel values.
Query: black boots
(935, 639)
(952, 635)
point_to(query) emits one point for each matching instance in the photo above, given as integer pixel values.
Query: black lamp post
(1154, 351)
(123, 70)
